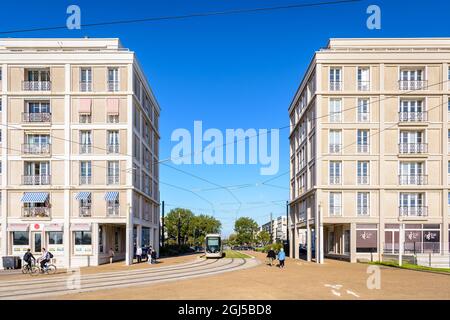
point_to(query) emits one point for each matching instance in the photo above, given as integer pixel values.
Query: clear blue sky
(238, 71)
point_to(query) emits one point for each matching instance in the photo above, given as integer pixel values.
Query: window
(21, 238)
(412, 204)
(412, 79)
(85, 141)
(411, 110)
(85, 172)
(335, 203)
(113, 79)
(363, 203)
(85, 79)
(366, 238)
(55, 237)
(335, 110)
(113, 141)
(113, 172)
(412, 142)
(335, 172)
(363, 172)
(335, 141)
(363, 110)
(36, 173)
(363, 79)
(363, 141)
(335, 79)
(412, 173)
(83, 238)
(0, 100)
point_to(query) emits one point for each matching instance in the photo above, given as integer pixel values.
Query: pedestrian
(271, 256)
(281, 257)
(153, 255)
(111, 255)
(149, 255)
(139, 254)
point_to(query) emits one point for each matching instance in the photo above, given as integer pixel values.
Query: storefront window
(55, 237)
(145, 236)
(366, 238)
(83, 238)
(21, 238)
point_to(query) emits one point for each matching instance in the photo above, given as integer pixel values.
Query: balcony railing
(363, 116)
(85, 179)
(412, 116)
(413, 211)
(412, 84)
(113, 148)
(363, 210)
(85, 86)
(85, 148)
(335, 117)
(113, 179)
(413, 148)
(35, 212)
(335, 179)
(36, 180)
(113, 86)
(36, 85)
(335, 210)
(418, 179)
(363, 85)
(363, 148)
(335, 85)
(363, 179)
(36, 117)
(113, 210)
(85, 212)
(335, 148)
(35, 148)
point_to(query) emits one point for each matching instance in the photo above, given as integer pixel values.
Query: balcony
(412, 116)
(36, 85)
(363, 210)
(412, 84)
(335, 210)
(335, 148)
(335, 180)
(85, 212)
(363, 116)
(36, 149)
(113, 210)
(113, 86)
(418, 179)
(85, 179)
(36, 117)
(113, 148)
(363, 85)
(85, 148)
(413, 211)
(113, 179)
(413, 148)
(335, 85)
(85, 86)
(36, 180)
(363, 148)
(363, 179)
(35, 212)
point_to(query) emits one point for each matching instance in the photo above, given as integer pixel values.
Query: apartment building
(79, 151)
(369, 148)
(277, 228)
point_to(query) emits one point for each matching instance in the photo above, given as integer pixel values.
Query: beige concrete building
(369, 148)
(79, 151)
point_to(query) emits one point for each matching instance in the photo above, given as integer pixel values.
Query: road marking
(336, 293)
(352, 293)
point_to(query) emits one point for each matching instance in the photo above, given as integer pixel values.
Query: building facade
(277, 229)
(79, 151)
(369, 148)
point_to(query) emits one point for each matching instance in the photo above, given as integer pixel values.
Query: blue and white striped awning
(83, 196)
(112, 196)
(35, 197)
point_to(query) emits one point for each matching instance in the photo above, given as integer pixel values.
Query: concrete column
(445, 117)
(309, 244)
(129, 237)
(67, 172)
(139, 235)
(4, 178)
(353, 242)
(95, 242)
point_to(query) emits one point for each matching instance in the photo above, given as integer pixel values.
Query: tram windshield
(213, 244)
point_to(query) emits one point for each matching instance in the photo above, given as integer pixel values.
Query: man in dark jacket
(28, 257)
(271, 256)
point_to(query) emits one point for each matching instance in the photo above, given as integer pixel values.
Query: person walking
(271, 256)
(149, 255)
(281, 257)
(153, 256)
(139, 254)
(111, 255)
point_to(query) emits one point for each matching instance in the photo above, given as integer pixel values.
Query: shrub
(174, 250)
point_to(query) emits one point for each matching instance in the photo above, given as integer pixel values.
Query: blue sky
(237, 71)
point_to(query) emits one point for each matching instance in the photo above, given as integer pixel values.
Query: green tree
(202, 225)
(177, 225)
(245, 229)
(232, 239)
(263, 237)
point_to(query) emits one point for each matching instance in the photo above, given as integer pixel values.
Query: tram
(213, 246)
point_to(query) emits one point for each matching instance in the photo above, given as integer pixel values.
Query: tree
(202, 225)
(177, 223)
(232, 239)
(263, 237)
(245, 229)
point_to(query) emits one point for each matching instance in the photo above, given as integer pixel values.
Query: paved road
(50, 285)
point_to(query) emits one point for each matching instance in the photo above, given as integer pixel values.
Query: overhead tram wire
(189, 16)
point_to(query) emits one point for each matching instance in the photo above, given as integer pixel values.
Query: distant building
(277, 228)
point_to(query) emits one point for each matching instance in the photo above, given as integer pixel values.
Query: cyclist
(28, 258)
(44, 259)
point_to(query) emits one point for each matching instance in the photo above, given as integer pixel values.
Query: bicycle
(48, 269)
(32, 270)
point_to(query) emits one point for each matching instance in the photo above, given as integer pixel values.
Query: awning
(83, 196)
(112, 106)
(17, 227)
(85, 106)
(54, 227)
(112, 196)
(80, 227)
(35, 197)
